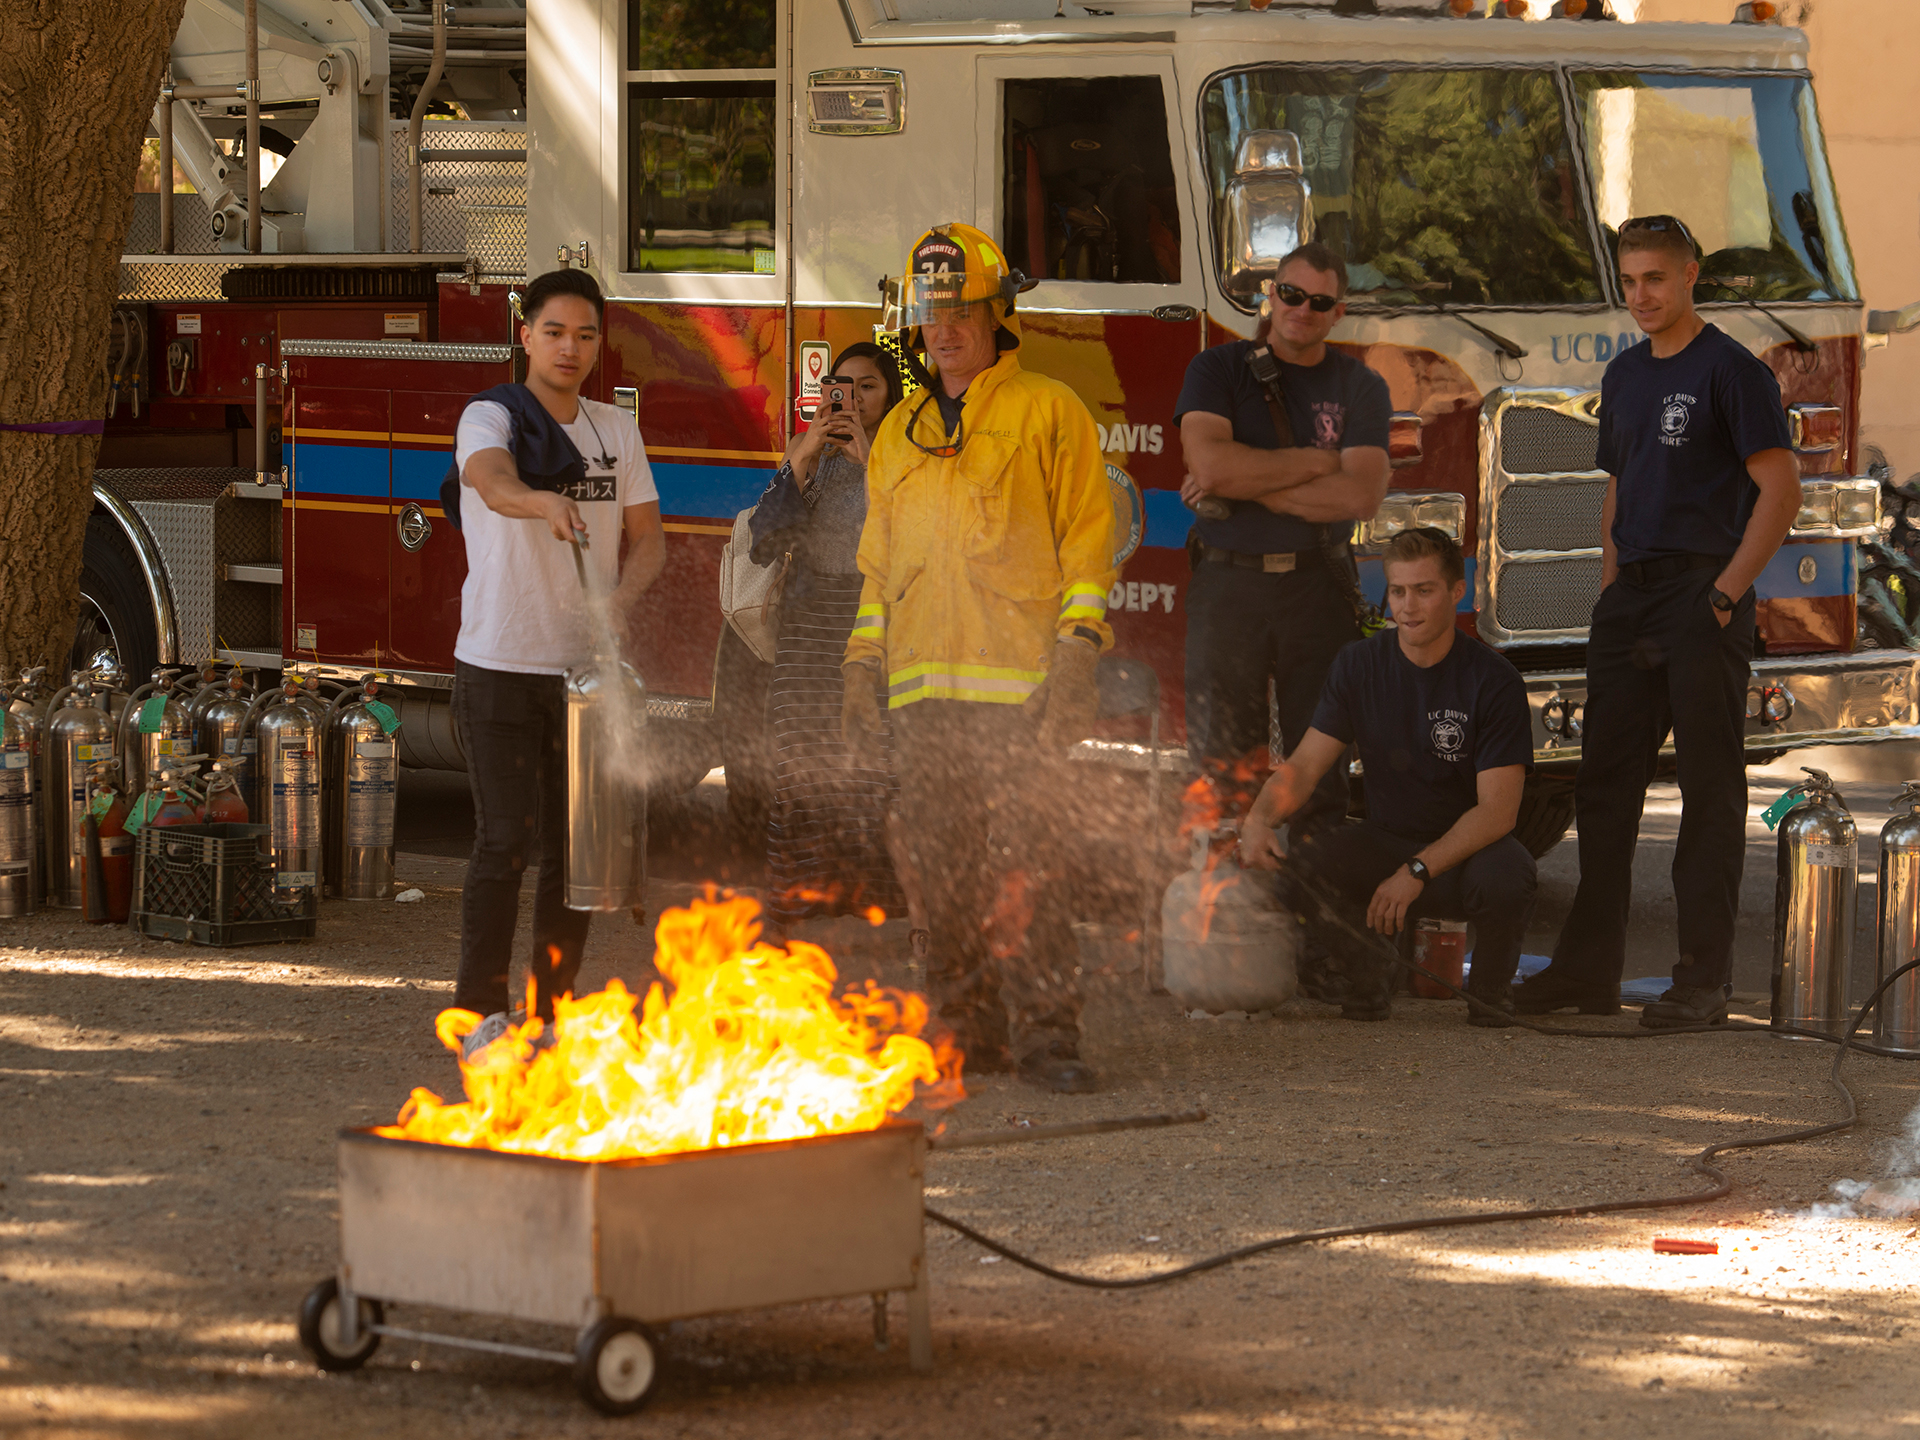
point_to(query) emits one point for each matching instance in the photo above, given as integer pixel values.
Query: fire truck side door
(426, 559)
(1081, 173)
(336, 553)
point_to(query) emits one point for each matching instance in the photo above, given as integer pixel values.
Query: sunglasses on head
(1660, 224)
(1292, 295)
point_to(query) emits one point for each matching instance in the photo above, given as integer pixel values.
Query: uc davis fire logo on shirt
(1675, 412)
(1448, 736)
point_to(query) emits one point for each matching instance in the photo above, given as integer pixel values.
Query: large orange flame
(752, 1045)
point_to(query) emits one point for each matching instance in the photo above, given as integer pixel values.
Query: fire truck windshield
(1739, 158)
(1455, 186)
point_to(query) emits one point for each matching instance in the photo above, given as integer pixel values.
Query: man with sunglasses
(1702, 488)
(988, 551)
(1272, 596)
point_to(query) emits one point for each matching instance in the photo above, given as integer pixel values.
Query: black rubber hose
(1700, 1164)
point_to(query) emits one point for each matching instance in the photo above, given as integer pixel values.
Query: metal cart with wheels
(613, 1247)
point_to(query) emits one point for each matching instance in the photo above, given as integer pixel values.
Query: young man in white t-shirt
(524, 494)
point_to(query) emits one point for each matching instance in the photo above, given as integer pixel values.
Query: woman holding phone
(827, 850)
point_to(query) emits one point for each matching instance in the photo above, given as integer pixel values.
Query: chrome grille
(1548, 594)
(1546, 442)
(467, 207)
(1557, 515)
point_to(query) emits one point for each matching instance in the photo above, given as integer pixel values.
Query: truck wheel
(1546, 810)
(116, 615)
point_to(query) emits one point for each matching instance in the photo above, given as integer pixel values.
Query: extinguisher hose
(1718, 1184)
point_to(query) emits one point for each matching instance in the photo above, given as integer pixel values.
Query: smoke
(1896, 1196)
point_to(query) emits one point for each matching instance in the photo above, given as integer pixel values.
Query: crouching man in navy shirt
(1702, 488)
(1446, 741)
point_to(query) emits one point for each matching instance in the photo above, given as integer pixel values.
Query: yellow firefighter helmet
(951, 267)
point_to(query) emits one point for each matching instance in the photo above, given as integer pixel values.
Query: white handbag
(750, 593)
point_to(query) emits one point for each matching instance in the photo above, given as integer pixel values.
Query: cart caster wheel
(614, 1366)
(320, 1328)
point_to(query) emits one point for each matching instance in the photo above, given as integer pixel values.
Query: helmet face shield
(912, 301)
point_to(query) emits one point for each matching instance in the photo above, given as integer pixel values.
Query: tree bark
(78, 81)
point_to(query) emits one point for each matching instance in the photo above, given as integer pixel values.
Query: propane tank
(1227, 944)
(361, 769)
(18, 839)
(1815, 891)
(107, 808)
(606, 788)
(80, 731)
(221, 730)
(1896, 1019)
(287, 785)
(155, 725)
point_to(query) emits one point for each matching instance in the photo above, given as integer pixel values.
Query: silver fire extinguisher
(1815, 893)
(28, 707)
(80, 732)
(220, 730)
(360, 775)
(287, 787)
(1896, 1023)
(606, 787)
(155, 725)
(19, 867)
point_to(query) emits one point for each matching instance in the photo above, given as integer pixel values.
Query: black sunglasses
(1659, 224)
(940, 452)
(1291, 295)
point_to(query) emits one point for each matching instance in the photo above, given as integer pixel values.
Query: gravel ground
(167, 1159)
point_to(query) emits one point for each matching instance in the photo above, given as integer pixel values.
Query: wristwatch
(1720, 600)
(1417, 868)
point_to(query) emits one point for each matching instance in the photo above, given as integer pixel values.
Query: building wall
(1865, 55)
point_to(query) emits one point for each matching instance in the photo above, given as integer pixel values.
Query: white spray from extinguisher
(626, 750)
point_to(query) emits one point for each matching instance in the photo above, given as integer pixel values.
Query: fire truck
(374, 178)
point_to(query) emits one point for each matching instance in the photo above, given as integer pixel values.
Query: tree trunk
(78, 81)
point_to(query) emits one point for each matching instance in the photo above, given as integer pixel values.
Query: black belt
(1652, 572)
(1280, 564)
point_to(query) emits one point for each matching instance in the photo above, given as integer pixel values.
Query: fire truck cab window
(1089, 192)
(1739, 159)
(1436, 185)
(700, 34)
(700, 176)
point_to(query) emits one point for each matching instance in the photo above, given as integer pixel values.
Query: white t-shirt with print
(521, 609)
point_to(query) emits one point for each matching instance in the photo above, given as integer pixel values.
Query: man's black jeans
(1244, 626)
(514, 730)
(1342, 867)
(1658, 660)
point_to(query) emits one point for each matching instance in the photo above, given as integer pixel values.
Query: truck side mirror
(1267, 211)
(1893, 322)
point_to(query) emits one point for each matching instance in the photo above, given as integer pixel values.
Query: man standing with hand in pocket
(1703, 486)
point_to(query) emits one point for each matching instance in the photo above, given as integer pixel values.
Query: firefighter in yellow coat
(988, 552)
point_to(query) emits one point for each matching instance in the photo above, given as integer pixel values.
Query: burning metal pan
(613, 1247)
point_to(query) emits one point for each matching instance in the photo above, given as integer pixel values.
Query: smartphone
(836, 393)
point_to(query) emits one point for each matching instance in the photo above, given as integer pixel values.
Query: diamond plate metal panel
(1548, 594)
(1546, 442)
(135, 486)
(182, 531)
(396, 350)
(168, 280)
(472, 207)
(1561, 515)
(192, 226)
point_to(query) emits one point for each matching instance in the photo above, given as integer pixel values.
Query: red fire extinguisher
(225, 805)
(106, 880)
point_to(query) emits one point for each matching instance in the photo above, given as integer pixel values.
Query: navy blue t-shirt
(1677, 434)
(1335, 405)
(1425, 735)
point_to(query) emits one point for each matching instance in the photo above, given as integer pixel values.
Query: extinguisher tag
(99, 805)
(153, 715)
(1841, 855)
(16, 760)
(1779, 807)
(143, 811)
(389, 721)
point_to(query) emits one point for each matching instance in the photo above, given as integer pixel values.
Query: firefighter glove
(1068, 699)
(860, 714)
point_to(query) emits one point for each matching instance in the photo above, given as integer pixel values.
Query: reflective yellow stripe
(870, 621)
(972, 672)
(1084, 612)
(1084, 602)
(984, 697)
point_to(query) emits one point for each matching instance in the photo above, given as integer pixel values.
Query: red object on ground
(1686, 1247)
(116, 862)
(1439, 949)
